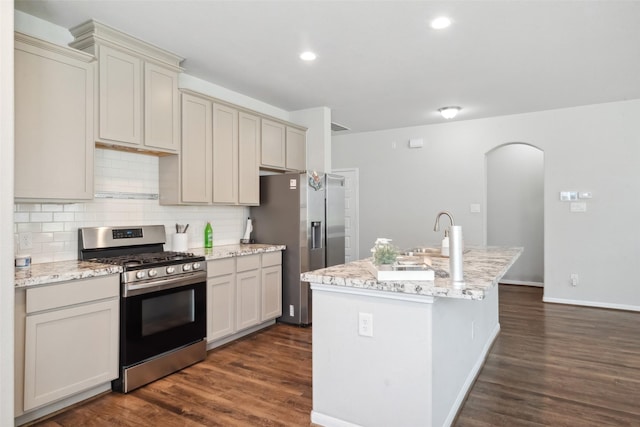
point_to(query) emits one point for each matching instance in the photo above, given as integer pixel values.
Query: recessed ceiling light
(440, 23)
(449, 112)
(307, 56)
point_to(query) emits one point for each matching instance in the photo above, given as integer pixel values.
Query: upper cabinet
(138, 100)
(54, 100)
(273, 148)
(218, 163)
(225, 154)
(296, 158)
(283, 147)
(248, 155)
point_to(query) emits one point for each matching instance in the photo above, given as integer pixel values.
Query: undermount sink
(427, 251)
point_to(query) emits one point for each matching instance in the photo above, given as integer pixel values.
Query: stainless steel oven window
(166, 312)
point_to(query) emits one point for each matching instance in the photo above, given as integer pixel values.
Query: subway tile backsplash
(54, 226)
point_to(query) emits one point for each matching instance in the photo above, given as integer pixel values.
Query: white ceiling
(379, 63)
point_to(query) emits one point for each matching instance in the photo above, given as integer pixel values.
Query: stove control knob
(153, 272)
(171, 270)
(196, 265)
(140, 275)
(186, 267)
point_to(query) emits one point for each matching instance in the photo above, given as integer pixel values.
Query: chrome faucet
(436, 227)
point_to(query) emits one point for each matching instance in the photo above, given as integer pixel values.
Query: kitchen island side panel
(376, 381)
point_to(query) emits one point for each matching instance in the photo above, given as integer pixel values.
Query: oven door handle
(132, 289)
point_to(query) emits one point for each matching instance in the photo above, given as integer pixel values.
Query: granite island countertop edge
(483, 268)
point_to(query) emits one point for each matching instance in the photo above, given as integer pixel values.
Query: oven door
(162, 320)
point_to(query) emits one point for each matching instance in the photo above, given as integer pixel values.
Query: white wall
(592, 148)
(6, 213)
(515, 208)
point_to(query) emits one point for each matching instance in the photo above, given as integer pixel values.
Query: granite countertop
(483, 268)
(228, 251)
(61, 271)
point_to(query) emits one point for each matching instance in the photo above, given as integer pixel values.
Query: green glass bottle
(208, 236)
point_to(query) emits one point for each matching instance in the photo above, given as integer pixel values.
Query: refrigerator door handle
(316, 234)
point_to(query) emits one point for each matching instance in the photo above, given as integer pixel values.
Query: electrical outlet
(574, 279)
(291, 311)
(365, 324)
(25, 241)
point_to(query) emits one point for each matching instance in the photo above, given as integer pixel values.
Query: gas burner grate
(145, 258)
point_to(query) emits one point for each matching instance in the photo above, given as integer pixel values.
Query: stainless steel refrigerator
(305, 212)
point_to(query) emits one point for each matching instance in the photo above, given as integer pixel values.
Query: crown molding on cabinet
(93, 32)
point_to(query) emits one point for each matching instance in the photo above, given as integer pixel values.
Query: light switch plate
(568, 196)
(474, 208)
(578, 207)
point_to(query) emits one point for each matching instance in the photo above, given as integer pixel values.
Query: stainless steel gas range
(162, 303)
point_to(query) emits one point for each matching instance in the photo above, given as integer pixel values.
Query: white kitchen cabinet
(138, 97)
(271, 285)
(272, 147)
(196, 152)
(248, 167)
(248, 295)
(221, 298)
(225, 154)
(119, 96)
(283, 147)
(161, 108)
(244, 294)
(218, 163)
(71, 338)
(54, 104)
(296, 157)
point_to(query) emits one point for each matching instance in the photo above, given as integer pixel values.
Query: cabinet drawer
(72, 292)
(248, 262)
(221, 267)
(271, 258)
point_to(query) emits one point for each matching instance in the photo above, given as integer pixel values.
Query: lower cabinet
(247, 291)
(70, 339)
(271, 285)
(242, 294)
(221, 298)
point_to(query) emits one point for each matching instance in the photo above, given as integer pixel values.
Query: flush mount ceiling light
(307, 56)
(449, 112)
(440, 23)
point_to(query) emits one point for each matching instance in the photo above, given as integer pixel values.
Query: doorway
(515, 208)
(351, 235)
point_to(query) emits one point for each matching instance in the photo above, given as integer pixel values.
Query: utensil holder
(180, 242)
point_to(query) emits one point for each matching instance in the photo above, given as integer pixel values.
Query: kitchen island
(401, 353)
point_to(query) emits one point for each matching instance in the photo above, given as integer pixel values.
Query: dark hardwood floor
(552, 365)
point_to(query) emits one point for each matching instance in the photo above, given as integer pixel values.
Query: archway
(515, 208)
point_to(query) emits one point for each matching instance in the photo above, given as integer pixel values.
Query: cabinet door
(271, 292)
(120, 91)
(70, 350)
(196, 150)
(225, 154)
(221, 306)
(248, 167)
(272, 151)
(54, 145)
(161, 108)
(296, 149)
(248, 299)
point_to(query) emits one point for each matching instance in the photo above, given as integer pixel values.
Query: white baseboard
(471, 378)
(592, 304)
(522, 283)
(328, 421)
